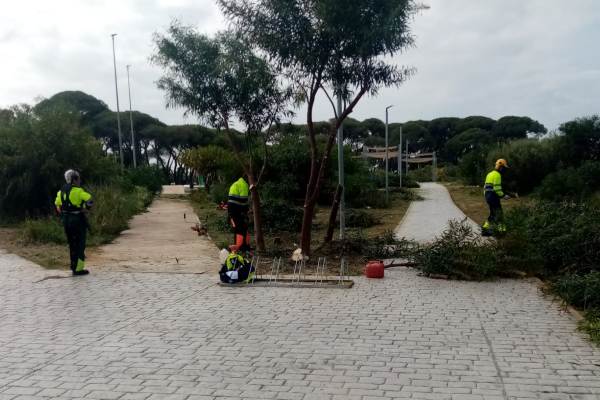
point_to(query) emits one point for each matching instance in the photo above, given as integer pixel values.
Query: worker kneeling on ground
(494, 193)
(72, 202)
(236, 269)
(237, 209)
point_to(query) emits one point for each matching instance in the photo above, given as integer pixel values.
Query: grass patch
(471, 201)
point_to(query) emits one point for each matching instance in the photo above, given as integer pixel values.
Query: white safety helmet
(71, 175)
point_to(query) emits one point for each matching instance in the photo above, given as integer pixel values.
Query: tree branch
(330, 101)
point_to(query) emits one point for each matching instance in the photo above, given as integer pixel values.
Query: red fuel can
(374, 269)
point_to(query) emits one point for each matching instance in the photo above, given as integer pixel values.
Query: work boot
(80, 269)
(81, 272)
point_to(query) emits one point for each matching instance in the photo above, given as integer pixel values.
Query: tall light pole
(340, 140)
(387, 189)
(131, 121)
(400, 158)
(118, 110)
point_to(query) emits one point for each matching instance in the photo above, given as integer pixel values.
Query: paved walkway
(426, 219)
(159, 240)
(155, 336)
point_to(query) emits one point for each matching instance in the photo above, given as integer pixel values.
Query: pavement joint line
(194, 293)
(492, 352)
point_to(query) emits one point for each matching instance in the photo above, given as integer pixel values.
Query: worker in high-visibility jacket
(237, 209)
(72, 202)
(493, 195)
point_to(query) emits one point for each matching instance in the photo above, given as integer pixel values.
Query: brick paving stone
(160, 336)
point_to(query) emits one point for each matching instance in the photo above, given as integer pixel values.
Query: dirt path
(159, 240)
(426, 219)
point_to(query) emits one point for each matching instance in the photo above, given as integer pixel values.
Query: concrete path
(159, 240)
(426, 219)
(153, 336)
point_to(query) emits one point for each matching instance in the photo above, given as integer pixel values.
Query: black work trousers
(496, 214)
(76, 230)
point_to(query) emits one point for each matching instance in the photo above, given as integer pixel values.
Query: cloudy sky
(492, 57)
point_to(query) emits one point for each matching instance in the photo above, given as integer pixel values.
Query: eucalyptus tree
(222, 81)
(330, 47)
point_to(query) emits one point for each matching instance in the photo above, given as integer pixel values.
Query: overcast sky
(537, 58)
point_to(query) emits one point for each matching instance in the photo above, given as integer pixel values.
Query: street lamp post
(118, 110)
(340, 140)
(400, 158)
(387, 189)
(131, 121)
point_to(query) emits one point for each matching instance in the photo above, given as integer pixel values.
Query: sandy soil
(159, 240)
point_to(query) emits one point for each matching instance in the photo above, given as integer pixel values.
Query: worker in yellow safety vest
(72, 202)
(493, 194)
(237, 209)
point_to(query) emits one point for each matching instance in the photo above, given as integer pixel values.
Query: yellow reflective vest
(77, 197)
(238, 193)
(493, 183)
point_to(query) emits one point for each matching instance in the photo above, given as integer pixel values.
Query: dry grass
(471, 201)
(51, 256)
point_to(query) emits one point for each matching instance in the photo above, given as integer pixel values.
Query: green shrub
(219, 192)
(564, 236)
(151, 178)
(423, 174)
(582, 291)
(280, 216)
(360, 219)
(530, 161)
(459, 253)
(591, 325)
(571, 183)
(473, 167)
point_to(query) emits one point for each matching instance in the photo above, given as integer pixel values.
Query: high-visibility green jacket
(493, 183)
(238, 194)
(78, 197)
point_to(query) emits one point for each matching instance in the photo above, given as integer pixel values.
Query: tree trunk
(305, 235)
(334, 211)
(257, 213)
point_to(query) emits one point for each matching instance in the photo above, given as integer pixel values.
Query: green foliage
(475, 122)
(215, 163)
(473, 139)
(423, 174)
(530, 161)
(473, 167)
(576, 184)
(219, 192)
(149, 177)
(360, 219)
(218, 78)
(563, 235)
(374, 127)
(459, 253)
(582, 291)
(35, 151)
(581, 140)
(508, 128)
(281, 216)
